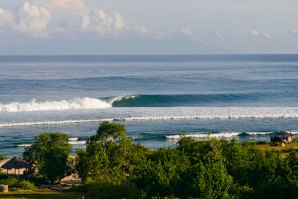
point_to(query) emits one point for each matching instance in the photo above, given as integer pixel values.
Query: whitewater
(77, 103)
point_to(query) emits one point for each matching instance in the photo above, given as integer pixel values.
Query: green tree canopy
(49, 153)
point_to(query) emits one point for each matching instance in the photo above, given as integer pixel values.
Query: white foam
(258, 133)
(185, 113)
(23, 145)
(70, 142)
(77, 103)
(121, 97)
(73, 139)
(205, 135)
(5, 125)
(294, 132)
(162, 113)
(77, 142)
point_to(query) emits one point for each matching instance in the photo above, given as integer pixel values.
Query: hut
(281, 137)
(16, 163)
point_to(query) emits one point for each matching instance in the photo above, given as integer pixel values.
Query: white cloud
(46, 17)
(85, 21)
(77, 5)
(6, 18)
(33, 20)
(119, 21)
(99, 21)
(141, 29)
(255, 33)
(187, 32)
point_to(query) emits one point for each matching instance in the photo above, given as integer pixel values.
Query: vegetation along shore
(112, 166)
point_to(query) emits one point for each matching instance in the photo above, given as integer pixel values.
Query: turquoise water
(156, 97)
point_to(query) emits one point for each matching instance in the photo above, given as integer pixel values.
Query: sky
(61, 27)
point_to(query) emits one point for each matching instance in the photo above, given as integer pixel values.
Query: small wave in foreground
(226, 135)
(72, 141)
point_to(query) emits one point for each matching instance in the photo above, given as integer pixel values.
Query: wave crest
(77, 103)
(175, 100)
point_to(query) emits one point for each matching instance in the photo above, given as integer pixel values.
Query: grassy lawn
(41, 193)
(283, 149)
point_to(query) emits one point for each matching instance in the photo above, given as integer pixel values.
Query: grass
(284, 149)
(42, 194)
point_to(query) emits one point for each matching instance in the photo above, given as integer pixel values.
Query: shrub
(36, 179)
(103, 190)
(16, 183)
(3, 157)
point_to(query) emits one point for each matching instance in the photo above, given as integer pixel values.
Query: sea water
(157, 98)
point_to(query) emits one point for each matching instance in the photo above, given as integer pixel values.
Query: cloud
(85, 21)
(33, 20)
(6, 18)
(76, 5)
(187, 32)
(255, 33)
(119, 21)
(142, 29)
(47, 17)
(87, 18)
(99, 21)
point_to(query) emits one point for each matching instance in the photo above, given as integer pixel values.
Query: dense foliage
(110, 156)
(49, 153)
(16, 183)
(113, 167)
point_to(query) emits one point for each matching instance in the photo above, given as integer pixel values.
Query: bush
(103, 190)
(3, 176)
(36, 179)
(3, 157)
(16, 183)
(295, 139)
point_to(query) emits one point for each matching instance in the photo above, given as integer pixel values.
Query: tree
(213, 181)
(49, 153)
(95, 162)
(110, 156)
(108, 133)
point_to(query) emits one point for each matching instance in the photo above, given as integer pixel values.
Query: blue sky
(148, 26)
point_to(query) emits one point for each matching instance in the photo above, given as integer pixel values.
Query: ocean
(158, 97)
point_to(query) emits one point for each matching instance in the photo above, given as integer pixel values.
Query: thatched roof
(15, 163)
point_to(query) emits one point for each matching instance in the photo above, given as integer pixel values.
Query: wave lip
(77, 103)
(174, 100)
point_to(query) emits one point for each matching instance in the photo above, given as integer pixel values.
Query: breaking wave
(226, 135)
(181, 100)
(204, 135)
(72, 141)
(77, 103)
(188, 100)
